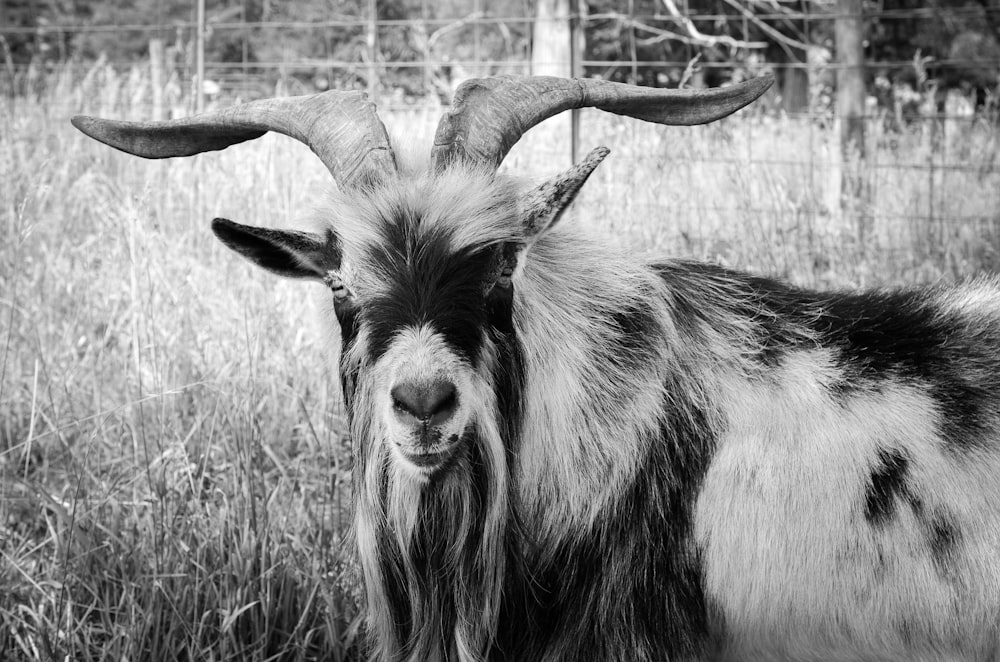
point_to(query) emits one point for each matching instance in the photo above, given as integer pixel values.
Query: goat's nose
(430, 403)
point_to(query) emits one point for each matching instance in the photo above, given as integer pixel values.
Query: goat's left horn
(489, 115)
(342, 128)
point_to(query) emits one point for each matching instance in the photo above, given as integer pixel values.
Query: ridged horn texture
(489, 115)
(342, 128)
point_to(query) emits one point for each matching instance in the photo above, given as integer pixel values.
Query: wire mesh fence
(171, 452)
(917, 186)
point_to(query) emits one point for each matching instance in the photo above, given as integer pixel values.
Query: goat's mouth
(431, 453)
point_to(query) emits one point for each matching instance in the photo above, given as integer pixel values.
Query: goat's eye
(499, 302)
(500, 282)
(504, 279)
(503, 268)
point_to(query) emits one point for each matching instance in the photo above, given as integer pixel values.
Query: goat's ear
(287, 253)
(544, 206)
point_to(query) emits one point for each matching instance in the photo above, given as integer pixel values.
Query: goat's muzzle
(425, 408)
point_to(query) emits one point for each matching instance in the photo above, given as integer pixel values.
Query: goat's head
(422, 293)
(425, 270)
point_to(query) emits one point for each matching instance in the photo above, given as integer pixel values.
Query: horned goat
(562, 453)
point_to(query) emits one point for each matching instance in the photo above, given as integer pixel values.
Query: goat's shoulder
(875, 327)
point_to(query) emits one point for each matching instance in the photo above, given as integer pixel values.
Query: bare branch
(661, 34)
(775, 6)
(704, 39)
(689, 72)
(451, 27)
(764, 27)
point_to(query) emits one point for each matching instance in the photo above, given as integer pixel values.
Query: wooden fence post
(849, 33)
(200, 59)
(156, 78)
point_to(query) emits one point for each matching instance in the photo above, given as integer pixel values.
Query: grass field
(175, 472)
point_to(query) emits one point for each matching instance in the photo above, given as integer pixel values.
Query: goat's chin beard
(432, 549)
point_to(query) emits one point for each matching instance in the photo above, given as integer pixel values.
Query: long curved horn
(489, 115)
(342, 128)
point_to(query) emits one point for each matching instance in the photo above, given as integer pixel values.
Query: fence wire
(919, 186)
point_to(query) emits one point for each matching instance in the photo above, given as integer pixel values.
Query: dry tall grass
(175, 472)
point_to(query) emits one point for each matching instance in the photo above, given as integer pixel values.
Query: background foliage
(958, 39)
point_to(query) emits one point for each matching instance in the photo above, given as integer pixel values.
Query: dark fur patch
(500, 308)
(633, 324)
(901, 336)
(941, 534)
(876, 336)
(348, 385)
(429, 284)
(943, 537)
(347, 318)
(632, 587)
(509, 382)
(887, 483)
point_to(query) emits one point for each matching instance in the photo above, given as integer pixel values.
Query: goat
(562, 453)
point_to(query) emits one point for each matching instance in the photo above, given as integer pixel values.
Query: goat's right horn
(489, 115)
(342, 129)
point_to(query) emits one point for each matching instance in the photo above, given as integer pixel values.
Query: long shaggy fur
(562, 454)
(667, 461)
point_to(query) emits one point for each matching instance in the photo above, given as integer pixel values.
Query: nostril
(429, 402)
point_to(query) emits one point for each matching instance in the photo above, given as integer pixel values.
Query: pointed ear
(544, 206)
(287, 253)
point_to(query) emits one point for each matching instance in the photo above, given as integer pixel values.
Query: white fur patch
(587, 421)
(790, 559)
